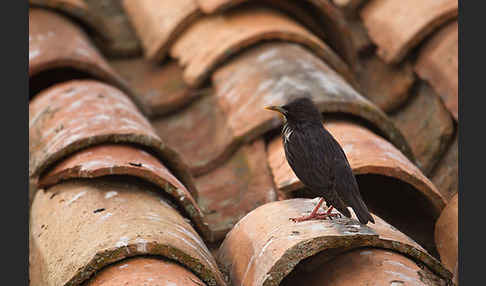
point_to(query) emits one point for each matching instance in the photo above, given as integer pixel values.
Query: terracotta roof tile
(385, 85)
(397, 27)
(321, 17)
(446, 174)
(160, 87)
(265, 245)
(447, 235)
(158, 23)
(55, 42)
(438, 63)
(105, 19)
(366, 266)
(145, 271)
(78, 227)
(426, 124)
(241, 184)
(119, 159)
(225, 34)
(273, 74)
(78, 114)
(199, 133)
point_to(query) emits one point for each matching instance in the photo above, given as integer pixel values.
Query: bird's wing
(308, 154)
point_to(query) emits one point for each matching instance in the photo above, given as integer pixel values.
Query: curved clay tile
(111, 159)
(438, 63)
(428, 134)
(158, 23)
(235, 188)
(397, 26)
(446, 175)
(199, 133)
(446, 235)
(55, 42)
(265, 246)
(161, 88)
(145, 271)
(79, 227)
(272, 74)
(367, 154)
(366, 266)
(227, 33)
(320, 16)
(112, 30)
(78, 114)
(387, 86)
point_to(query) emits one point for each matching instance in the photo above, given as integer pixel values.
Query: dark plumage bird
(319, 161)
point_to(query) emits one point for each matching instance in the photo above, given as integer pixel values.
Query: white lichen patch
(110, 194)
(76, 197)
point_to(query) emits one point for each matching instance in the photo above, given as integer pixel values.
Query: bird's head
(299, 110)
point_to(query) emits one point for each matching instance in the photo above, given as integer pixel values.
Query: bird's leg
(311, 216)
(327, 214)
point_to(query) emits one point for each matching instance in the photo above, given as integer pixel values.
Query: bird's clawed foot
(316, 216)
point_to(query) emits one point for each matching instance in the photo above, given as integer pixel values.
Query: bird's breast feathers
(287, 131)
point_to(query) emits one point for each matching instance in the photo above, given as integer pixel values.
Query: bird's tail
(362, 211)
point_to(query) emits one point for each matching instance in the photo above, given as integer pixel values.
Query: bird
(318, 161)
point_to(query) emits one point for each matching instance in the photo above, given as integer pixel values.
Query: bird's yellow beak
(278, 109)
(275, 108)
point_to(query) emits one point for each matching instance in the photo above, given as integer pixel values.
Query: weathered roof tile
(160, 87)
(241, 184)
(78, 114)
(225, 34)
(119, 159)
(55, 42)
(426, 124)
(105, 19)
(80, 226)
(446, 174)
(438, 63)
(158, 23)
(447, 235)
(396, 26)
(385, 85)
(365, 266)
(265, 245)
(145, 271)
